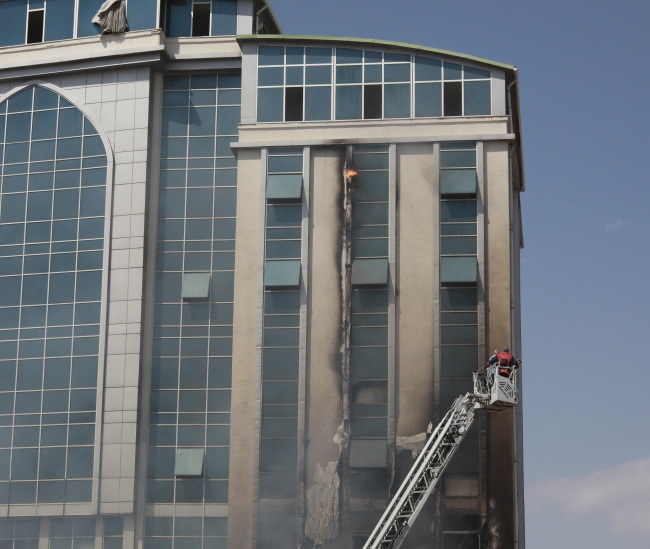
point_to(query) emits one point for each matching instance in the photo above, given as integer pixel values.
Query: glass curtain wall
(68, 532)
(20, 534)
(63, 533)
(369, 341)
(51, 258)
(113, 533)
(192, 344)
(295, 84)
(459, 326)
(186, 532)
(33, 21)
(280, 354)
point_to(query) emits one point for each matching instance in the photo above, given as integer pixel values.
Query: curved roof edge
(345, 39)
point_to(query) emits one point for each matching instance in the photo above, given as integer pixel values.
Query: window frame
(383, 63)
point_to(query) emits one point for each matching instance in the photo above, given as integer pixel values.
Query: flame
(350, 173)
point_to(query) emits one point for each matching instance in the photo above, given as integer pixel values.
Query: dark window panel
(201, 20)
(293, 104)
(458, 211)
(372, 97)
(453, 99)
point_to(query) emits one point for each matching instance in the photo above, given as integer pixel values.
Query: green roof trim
(362, 41)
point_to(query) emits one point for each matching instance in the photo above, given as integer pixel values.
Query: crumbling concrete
(414, 444)
(322, 522)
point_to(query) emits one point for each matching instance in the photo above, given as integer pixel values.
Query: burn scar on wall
(327, 505)
(346, 327)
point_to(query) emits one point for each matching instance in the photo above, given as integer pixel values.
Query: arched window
(52, 208)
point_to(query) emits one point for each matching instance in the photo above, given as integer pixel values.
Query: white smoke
(621, 494)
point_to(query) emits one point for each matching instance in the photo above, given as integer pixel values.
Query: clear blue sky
(585, 88)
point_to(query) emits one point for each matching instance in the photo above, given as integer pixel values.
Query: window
(35, 21)
(460, 531)
(20, 534)
(199, 17)
(192, 338)
(78, 532)
(369, 332)
(295, 84)
(278, 457)
(459, 330)
(51, 259)
(186, 531)
(113, 532)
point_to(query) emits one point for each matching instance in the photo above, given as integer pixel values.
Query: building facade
(241, 273)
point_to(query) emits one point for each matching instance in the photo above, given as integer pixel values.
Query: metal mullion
(412, 94)
(192, 20)
(383, 86)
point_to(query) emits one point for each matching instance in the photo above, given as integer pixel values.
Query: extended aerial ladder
(492, 391)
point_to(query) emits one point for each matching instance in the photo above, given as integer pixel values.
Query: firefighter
(504, 361)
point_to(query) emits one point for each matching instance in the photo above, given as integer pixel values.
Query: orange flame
(350, 173)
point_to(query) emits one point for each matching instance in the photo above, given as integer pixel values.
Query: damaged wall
(322, 524)
(324, 395)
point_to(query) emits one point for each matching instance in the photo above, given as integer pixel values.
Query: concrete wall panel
(242, 492)
(500, 427)
(417, 229)
(324, 389)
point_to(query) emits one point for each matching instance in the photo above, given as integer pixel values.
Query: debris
(111, 17)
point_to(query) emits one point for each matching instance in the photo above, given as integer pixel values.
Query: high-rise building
(241, 273)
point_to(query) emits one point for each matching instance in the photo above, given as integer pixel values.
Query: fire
(350, 173)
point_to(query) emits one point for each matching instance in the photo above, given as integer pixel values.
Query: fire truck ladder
(407, 503)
